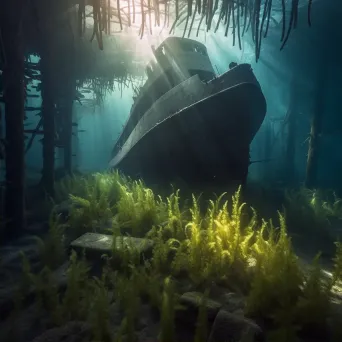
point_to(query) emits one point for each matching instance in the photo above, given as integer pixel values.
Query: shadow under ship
(187, 123)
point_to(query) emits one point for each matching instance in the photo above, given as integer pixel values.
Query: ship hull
(207, 141)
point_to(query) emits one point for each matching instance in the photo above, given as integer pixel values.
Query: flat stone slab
(99, 244)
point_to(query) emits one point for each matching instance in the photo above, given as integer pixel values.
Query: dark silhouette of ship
(186, 122)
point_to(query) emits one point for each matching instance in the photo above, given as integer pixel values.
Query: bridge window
(192, 47)
(201, 49)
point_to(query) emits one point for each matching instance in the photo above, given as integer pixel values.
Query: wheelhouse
(175, 60)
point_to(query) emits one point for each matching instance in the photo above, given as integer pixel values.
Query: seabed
(121, 263)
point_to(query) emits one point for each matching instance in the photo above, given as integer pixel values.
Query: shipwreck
(186, 122)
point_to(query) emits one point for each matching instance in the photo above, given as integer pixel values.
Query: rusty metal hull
(207, 141)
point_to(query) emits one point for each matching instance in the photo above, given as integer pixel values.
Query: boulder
(70, 332)
(230, 301)
(229, 327)
(190, 302)
(233, 303)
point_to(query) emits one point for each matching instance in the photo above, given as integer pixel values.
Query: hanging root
(119, 14)
(149, 9)
(265, 17)
(293, 21)
(142, 29)
(129, 13)
(309, 12)
(81, 17)
(193, 19)
(97, 32)
(237, 15)
(177, 17)
(109, 16)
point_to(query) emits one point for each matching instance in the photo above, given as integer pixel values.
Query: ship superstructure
(188, 122)
(175, 60)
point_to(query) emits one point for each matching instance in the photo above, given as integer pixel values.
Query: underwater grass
(314, 213)
(226, 244)
(110, 200)
(316, 208)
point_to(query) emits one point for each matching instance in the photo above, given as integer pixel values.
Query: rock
(184, 285)
(10, 291)
(10, 255)
(233, 303)
(95, 245)
(190, 302)
(229, 327)
(70, 332)
(147, 329)
(63, 208)
(116, 314)
(24, 325)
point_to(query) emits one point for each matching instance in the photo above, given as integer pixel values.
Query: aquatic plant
(138, 209)
(175, 218)
(84, 299)
(124, 253)
(128, 294)
(313, 304)
(94, 209)
(217, 245)
(101, 201)
(225, 244)
(315, 206)
(150, 285)
(201, 333)
(274, 262)
(75, 302)
(52, 249)
(167, 322)
(302, 301)
(99, 311)
(337, 271)
(313, 212)
(73, 184)
(47, 295)
(161, 252)
(84, 185)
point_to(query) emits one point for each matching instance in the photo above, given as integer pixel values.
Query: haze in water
(306, 69)
(221, 217)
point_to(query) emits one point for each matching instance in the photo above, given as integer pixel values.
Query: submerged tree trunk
(315, 133)
(291, 138)
(48, 116)
(312, 160)
(267, 150)
(14, 99)
(67, 132)
(69, 97)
